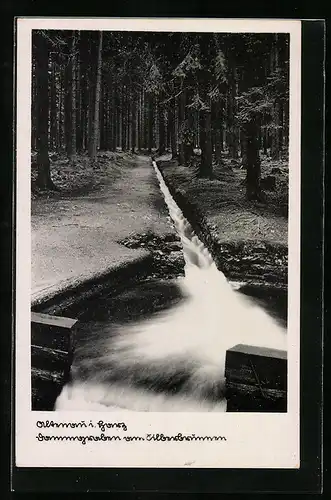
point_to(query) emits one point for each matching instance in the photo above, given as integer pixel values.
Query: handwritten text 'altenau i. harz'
(103, 426)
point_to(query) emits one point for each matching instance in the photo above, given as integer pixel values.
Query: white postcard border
(253, 440)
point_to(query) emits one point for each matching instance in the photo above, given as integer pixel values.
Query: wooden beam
(256, 379)
(52, 344)
(52, 360)
(46, 376)
(46, 387)
(54, 332)
(49, 320)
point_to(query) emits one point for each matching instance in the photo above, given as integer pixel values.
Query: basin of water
(160, 346)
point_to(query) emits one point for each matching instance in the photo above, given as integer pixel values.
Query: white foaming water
(183, 348)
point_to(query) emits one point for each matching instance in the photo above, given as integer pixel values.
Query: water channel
(171, 358)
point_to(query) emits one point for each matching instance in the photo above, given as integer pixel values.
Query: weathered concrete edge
(72, 282)
(70, 296)
(201, 227)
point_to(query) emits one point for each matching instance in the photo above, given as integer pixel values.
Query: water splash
(175, 360)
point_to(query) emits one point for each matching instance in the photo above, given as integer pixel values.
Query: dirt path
(75, 238)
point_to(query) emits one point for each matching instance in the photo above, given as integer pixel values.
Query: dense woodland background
(196, 95)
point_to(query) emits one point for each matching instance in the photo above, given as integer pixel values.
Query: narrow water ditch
(160, 344)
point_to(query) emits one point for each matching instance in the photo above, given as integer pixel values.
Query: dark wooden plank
(52, 337)
(254, 391)
(50, 320)
(45, 390)
(259, 351)
(51, 357)
(43, 399)
(52, 360)
(257, 366)
(46, 376)
(239, 402)
(54, 332)
(256, 379)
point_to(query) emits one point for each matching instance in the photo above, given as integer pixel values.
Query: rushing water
(173, 360)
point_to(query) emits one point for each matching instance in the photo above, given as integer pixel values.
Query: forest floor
(222, 199)
(248, 240)
(78, 232)
(112, 213)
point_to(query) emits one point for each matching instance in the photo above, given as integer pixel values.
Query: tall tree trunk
(167, 132)
(213, 127)
(204, 87)
(286, 127)
(232, 139)
(275, 145)
(44, 180)
(79, 96)
(188, 151)
(250, 130)
(95, 130)
(145, 121)
(106, 122)
(53, 109)
(86, 89)
(72, 149)
(181, 120)
(91, 93)
(218, 146)
(67, 109)
(119, 120)
(128, 121)
(90, 119)
(133, 124)
(34, 105)
(281, 127)
(171, 125)
(110, 117)
(103, 117)
(206, 166)
(161, 128)
(124, 118)
(113, 117)
(265, 137)
(202, 135)
(242, 141)
(60, 112)
(150, 123)
(189, 124)
(139, 121)
(218, 132)
(252, 161)
(155, 123)
(82, 136)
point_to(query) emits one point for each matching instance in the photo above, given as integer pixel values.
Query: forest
(198, 96)
(113, 231)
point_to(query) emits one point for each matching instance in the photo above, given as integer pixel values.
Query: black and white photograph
(162, 175)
